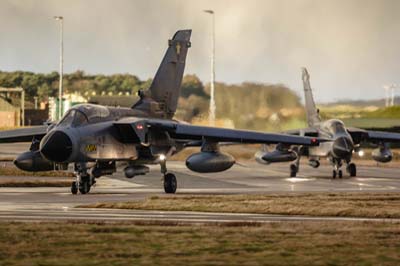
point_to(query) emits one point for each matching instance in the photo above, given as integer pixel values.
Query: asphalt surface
(51, 203)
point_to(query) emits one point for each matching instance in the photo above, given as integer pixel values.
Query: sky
(350, 47)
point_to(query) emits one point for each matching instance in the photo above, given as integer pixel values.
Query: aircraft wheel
(340, 173)
(84, 187)
(352, 169)
(170, 183)
(334, 173)
(74, 188)
(293, 170)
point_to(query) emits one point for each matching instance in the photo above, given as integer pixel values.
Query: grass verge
(373, 205)
(292, 243)
(36, 183)
(13, 171)
(10, 176)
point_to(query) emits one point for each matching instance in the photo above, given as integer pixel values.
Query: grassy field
(35, 183)
(10, 170)
(292, 243)
(10, 176)
(372, 122)
(373, 205)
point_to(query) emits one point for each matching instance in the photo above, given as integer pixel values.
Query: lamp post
(212, 82)
(60, 87)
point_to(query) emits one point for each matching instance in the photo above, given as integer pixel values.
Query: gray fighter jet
(96, 139)
(343, 141)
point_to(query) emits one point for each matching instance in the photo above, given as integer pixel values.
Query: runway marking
(297, 179)
(190, 217)
(374, 179)
(113, 182)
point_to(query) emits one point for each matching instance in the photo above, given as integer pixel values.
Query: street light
(212, 82)
(60, 87)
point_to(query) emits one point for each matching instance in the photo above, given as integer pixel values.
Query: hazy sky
(351, 47)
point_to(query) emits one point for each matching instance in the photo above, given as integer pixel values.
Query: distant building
(10, 115)
(115, 100)
(69, 100)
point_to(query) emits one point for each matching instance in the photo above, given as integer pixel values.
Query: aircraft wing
(308, 132)
(191, 133)
(23, 134)
(361, 135)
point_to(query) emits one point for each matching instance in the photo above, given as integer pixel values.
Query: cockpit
(84, 114)
(336, 127)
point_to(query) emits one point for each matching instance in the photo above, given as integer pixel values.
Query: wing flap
(307, 132)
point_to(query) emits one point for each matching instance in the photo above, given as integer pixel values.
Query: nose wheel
(337, 173)
(74, 188)
(85, 185)
(84, 181)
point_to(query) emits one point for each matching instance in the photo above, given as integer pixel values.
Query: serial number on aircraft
(91, 148)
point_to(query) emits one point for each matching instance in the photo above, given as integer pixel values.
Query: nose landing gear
(84, 181)
(337, 172)
(74, 188)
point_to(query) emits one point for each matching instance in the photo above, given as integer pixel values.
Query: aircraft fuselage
(84, 141)
(341, 145)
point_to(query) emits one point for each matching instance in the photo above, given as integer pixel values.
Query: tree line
(242, 103)
(46, 85)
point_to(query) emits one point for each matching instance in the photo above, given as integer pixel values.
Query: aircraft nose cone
(56, 146)
(342, 147)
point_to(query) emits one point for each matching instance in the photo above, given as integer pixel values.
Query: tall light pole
(60, 87)
(212, 82)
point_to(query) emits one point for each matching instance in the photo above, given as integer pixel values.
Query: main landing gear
(84, 181)
(294, 167)
(169, 179)
(351, 169)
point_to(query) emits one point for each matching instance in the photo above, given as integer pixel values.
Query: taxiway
(55, 203)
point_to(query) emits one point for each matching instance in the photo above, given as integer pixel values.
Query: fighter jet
(343, 141)
(96, 139)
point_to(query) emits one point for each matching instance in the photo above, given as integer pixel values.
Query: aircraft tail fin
(165, 88)
(311, 110)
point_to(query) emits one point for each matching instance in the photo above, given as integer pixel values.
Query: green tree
(192, 85)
